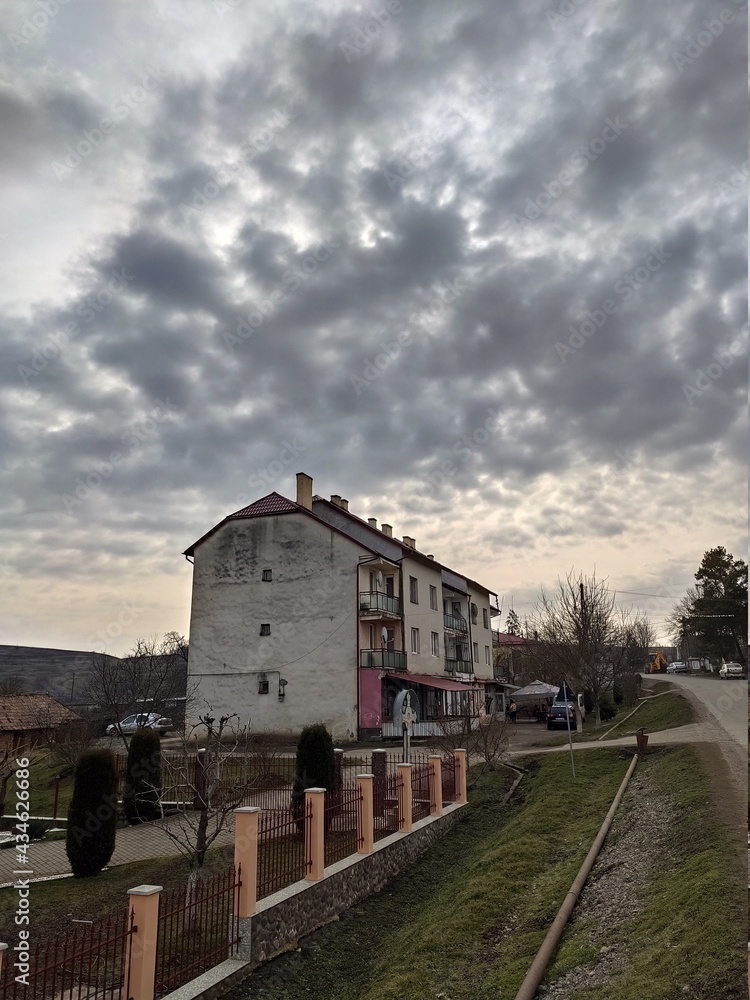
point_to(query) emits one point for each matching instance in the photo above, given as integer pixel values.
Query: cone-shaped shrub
(316, 764)
(92, 816)
(140, 797)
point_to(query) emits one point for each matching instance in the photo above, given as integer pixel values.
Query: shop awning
(436, 682)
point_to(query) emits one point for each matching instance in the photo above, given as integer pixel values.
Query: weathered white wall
(311, 605)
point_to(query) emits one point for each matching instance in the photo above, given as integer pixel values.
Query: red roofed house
(303, 612)
(26, 719)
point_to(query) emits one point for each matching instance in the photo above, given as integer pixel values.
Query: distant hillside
(61, 673)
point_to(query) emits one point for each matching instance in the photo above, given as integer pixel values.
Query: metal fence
(85, 963)
(342, 811)
(449, 778)
(388, 811)
(198, 928)
(421, 800)
(281, 848)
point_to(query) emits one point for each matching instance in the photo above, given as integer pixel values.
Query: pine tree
(92, 816)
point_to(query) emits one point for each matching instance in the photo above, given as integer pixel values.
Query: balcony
(456, 622)
(383, 659)
(372, 602)
(459, 666)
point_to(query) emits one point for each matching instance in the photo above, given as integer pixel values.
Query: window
(415, 640)
(487, 655)
(267, 575)
(433, 598)
(435, 643)
(476, 652)
(265, 629)
(474, 613)
(485, 618)
(413, 590)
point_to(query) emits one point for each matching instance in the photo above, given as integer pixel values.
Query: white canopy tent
(537, 691)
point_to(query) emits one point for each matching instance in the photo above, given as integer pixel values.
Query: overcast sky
(479, 268)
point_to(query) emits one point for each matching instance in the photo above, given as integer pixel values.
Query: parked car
(558, 716)
(727, 670)
(149, 720)
(677, 667)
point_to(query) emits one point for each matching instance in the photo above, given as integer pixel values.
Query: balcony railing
(384, 659)
(459, 666)
(456, 622)
(373, 602)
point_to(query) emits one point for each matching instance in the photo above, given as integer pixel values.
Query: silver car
(149, 720)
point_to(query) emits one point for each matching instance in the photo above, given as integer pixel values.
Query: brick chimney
(335, 500)
(344, 504)
(387, 529)
(304, 490)
(408, 540)
(372, 521)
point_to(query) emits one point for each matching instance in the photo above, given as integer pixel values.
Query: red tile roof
(274, 503)
(21, 712)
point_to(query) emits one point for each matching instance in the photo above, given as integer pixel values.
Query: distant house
(26, 719)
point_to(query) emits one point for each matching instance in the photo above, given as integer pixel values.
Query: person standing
(513, 711)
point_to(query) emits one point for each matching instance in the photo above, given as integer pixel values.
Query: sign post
(565, 690)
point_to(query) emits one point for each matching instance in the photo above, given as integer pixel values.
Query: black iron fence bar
(340, 823)
(196, 929)
(87, 961)
(281, 849)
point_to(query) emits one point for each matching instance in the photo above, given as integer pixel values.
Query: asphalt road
(726, 701)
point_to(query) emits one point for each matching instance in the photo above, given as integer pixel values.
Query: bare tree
(11, 685)
(153, 673)
(213, 786)
(583, 635)
(485, 738)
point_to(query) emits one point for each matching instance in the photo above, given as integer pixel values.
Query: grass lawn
(468, 918)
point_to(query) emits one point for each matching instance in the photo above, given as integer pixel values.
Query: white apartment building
(303, 612)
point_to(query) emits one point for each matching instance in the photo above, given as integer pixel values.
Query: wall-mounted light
(282, 685)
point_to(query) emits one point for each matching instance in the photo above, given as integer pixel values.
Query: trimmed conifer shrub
(315, 765)
(140, 797)
(92, 816)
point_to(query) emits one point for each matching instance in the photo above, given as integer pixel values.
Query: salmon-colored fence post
(460, 756)
(365, 815)
(404, 799)
(436, 784)
(141, 958)
(246, 857)
(315, 800)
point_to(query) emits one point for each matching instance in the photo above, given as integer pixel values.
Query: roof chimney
(372, 521)
(387, 529)
(344, 504)
(335, 499)
(304, 490)
(408, 540)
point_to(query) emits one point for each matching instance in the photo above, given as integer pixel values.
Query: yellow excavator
(659, 663)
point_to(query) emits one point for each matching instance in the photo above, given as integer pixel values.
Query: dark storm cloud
(378, 260)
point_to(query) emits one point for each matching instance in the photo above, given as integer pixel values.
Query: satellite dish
(384, 635)
(379, 580)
